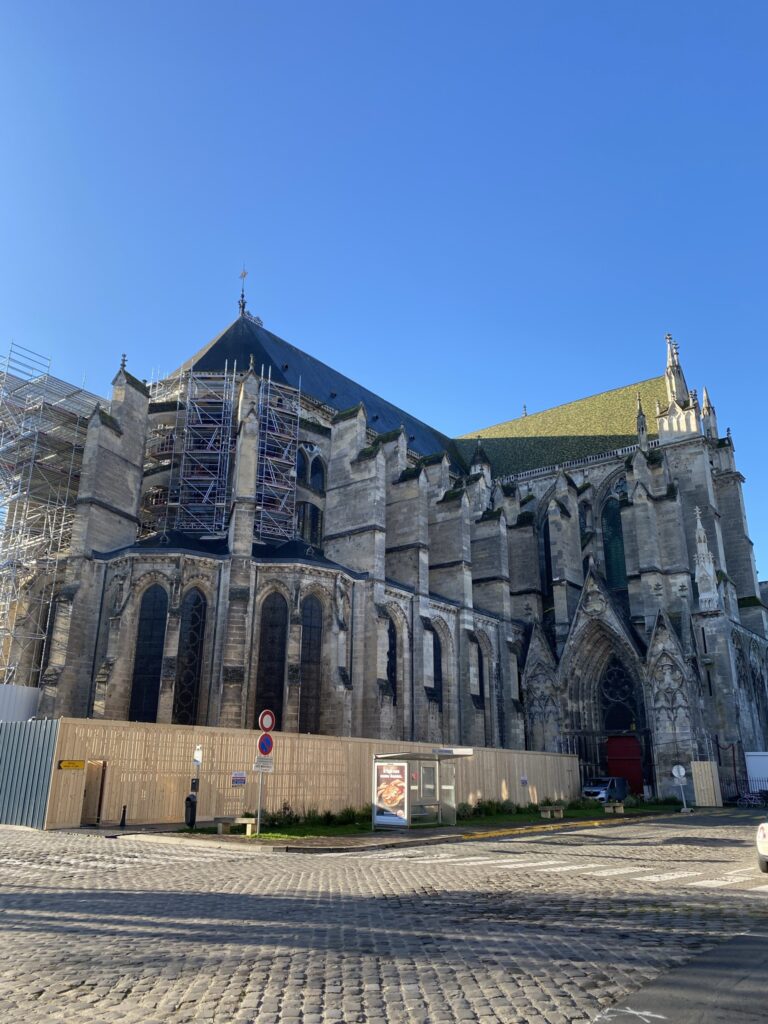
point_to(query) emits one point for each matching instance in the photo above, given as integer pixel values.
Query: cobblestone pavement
(547, 928)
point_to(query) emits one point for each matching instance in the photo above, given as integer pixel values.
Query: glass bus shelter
(416, 788)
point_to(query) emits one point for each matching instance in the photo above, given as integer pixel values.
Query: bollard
(122, 816)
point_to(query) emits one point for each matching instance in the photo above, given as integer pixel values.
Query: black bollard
(122, 816)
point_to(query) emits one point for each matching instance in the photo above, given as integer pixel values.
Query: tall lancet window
(436, 693)
(148, 659)
(186, 693)
(270, 678)
(311, 664)
(613, 546)
(392, 660)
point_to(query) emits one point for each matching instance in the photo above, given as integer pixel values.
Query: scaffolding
(199, 490)
(190, 452)
(43, 423)
(279, 412)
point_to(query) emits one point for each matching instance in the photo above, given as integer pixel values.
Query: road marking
(713, 883)
(608, 872)
(568, 867)
(667, 876)
(758, 890)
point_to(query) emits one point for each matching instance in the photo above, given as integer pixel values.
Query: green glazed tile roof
(589, 426)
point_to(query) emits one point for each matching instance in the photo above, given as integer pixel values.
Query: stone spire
(677, 389)
(642, 426)
(709, 419)
(705, 573)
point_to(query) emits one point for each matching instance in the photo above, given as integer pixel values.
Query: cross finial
(123, 361)
(241, 304)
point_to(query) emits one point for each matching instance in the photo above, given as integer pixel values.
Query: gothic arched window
(148, 659)
(436, 693)
(311, 664)
(301, 467)
(309, 523)
(392, 660)
(186, 693)
(618, 699)
(317, 475)
(270, 676)
(613, 546)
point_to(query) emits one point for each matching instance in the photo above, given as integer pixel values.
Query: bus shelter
(416, 788)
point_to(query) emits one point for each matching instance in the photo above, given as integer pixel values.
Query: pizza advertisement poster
(390, 793)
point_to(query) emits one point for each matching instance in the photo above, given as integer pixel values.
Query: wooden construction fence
(148, 768)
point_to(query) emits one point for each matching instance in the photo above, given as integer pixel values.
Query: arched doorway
(627, 742)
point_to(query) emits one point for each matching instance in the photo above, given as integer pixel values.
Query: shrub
(347, 816)
(508, 807)
(584, 804)
(464, 811)
(312, 816)
(364, 815)
(532, 808)
(328, 818)
(630, 800)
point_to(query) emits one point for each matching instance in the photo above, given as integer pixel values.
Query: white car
(761, 842)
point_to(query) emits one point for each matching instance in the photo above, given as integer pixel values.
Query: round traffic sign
(267, 721)
(265, 744)
(678, 771)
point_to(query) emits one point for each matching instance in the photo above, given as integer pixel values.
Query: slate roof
(245, 337)
(589, 426)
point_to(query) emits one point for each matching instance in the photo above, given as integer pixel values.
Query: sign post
(679, 773)
(265, 762)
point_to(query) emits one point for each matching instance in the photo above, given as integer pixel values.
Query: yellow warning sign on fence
(72, 765)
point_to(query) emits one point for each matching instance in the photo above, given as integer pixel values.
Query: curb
(366, 846)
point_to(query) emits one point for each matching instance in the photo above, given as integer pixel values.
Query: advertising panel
(390, 793)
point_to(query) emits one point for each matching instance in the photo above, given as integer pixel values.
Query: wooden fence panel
(149, 768)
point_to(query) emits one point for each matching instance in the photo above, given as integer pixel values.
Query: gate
(26, 762)
(625, 759)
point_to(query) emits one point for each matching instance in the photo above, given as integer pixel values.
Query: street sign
(238, 778)
(267, 721)
(678, 771)
(264, 765)
(265, 744)
(76, 766)
(197, 757)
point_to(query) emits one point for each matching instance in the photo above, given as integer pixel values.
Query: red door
(625, 759)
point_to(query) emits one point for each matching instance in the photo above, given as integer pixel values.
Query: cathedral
(259, 531)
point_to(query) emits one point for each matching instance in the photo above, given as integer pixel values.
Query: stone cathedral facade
(260, 531)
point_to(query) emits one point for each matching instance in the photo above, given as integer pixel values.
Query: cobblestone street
(542, 928)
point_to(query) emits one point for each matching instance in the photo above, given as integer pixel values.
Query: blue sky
(464, 206)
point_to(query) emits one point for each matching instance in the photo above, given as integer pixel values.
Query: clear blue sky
(464, 206)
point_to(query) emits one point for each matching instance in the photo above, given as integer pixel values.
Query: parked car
(606, 789)
(761, 841)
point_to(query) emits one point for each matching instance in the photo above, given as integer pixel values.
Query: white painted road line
(667, 876)
(568, 867)
(608, 872)
(713, 883)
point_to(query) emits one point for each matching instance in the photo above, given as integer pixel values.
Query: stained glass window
(311, 664)
(301, 467)
(317, 475)
(186, 693)
(148, 659)
(436, 693)
(392, 660)
(613, 546)
(270, 677)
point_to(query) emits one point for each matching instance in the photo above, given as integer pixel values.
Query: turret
(709, 419)
(481, 463)
(677, 389)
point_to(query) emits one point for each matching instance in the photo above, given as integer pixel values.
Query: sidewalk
(364, 840)
(727, 985)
